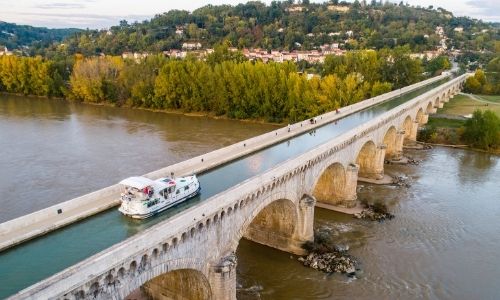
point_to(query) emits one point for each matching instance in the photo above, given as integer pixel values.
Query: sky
(105, 13)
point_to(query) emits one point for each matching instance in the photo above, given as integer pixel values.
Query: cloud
(63, 20)
(489, 8)
(60, 5)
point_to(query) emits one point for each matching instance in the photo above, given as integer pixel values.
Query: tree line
(227, 85)
(223, 84)
(30, 76)
(285, 25)
(486, 83)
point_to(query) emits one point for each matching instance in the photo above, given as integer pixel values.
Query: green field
(442, 122)
(491, 98)
(463, 105)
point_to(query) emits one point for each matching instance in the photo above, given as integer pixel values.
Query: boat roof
(139, 182)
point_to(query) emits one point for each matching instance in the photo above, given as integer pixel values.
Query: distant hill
(285, 25)
(15, 36)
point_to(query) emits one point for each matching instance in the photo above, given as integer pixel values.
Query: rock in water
(401, 181)
(375, 212)
(328, 257)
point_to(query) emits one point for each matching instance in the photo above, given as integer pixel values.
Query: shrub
(483, 130)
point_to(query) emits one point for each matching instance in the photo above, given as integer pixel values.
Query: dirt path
(477, 98)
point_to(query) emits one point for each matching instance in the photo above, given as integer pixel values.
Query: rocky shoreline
(327, 257)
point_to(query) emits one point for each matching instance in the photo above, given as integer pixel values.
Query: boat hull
(161, 208)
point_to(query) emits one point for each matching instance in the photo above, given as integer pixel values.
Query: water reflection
(19, 107)
(482, 163)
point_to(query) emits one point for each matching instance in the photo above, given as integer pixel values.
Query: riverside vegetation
(482, 130)
(224, 85)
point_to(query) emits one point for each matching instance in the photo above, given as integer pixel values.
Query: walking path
(478, 98)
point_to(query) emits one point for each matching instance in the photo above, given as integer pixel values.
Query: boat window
(152, 203)
(186, 188)
(178, 191)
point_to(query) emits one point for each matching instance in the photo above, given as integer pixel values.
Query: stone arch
(121, 273)
(179, 284)
(407, 126)
(155, 253)
(108, 280)
(79, 295)
(429, 108)
(144, 261)
(330, 185)
(273, 225)
(436, 102)
(132, 267)
(366, 160)
(390, 141)
(94, 289)
(420, 116)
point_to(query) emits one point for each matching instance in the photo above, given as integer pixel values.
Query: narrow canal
(54, 151)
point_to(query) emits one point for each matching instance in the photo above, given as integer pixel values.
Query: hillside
(289, 26)
(18, 37)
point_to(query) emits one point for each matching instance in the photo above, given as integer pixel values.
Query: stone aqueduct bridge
(191, 255)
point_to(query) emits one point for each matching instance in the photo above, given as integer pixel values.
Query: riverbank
(263, 119)
(447, 126)
(448, 133)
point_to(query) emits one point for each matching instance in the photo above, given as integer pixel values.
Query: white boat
(144, 197)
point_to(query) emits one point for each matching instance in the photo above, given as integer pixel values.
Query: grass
(463, 105)
(491, 98)
(442, 122)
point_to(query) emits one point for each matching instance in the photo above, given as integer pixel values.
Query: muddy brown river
(442, 244)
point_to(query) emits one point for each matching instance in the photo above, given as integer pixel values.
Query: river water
(53, 151)
(442, 243)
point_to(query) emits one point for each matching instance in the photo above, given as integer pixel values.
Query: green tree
(483, 130)
(437, 65)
